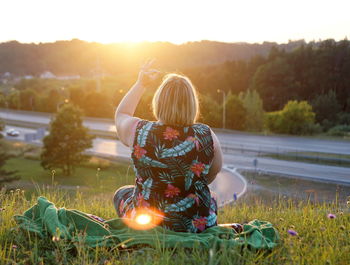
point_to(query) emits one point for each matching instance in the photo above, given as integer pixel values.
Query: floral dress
(171, 164)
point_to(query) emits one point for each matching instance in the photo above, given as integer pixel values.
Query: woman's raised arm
(125, 121)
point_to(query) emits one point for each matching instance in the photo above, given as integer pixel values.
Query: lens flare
(143, 219)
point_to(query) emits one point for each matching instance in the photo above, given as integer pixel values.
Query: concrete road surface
(225, 185)
(236, 141)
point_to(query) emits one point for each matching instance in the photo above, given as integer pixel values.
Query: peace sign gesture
(146, 74)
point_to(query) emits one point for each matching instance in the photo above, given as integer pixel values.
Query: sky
(180, 21)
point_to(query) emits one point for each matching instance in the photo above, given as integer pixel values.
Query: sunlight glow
(109, 21)
(143, 219)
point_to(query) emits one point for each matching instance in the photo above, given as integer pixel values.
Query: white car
(12, 132)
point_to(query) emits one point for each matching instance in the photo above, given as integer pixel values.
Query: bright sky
(176, 21)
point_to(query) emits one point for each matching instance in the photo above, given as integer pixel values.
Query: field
(319, 239)
(315, 237)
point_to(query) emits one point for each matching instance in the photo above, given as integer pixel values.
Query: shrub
(295, 118)
(339, 130)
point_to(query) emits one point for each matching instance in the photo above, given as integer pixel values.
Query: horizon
(186, 42)
(106, 22)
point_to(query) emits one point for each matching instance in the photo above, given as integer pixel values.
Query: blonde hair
(175, 102)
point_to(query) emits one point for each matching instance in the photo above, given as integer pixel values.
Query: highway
(246, 148)
(227, 183)
(235, 141)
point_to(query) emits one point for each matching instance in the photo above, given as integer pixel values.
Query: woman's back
(171, 165)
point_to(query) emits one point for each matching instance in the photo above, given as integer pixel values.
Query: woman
(174, 158)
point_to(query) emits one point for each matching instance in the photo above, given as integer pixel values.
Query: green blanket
(47, 221)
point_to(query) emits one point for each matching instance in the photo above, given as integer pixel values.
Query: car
(12, 132)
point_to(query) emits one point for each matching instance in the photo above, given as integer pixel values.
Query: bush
(339, 130)
(236, 114)
(343, 118)
(295, 118)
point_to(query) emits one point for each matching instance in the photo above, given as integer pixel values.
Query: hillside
(81, 57)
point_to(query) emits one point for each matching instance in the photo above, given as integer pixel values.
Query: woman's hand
(146, 74)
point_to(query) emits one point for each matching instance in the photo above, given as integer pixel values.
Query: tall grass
(319, 239)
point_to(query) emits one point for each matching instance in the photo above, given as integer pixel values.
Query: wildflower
(55, 239)
(14, 247)
(331, 216)
(292, 232)
(171, 191)
(170, 134)
(139, 152)
(235, 196)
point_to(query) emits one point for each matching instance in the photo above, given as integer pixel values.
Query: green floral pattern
(171, 164)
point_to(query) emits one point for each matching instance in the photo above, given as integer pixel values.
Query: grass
(320, 240)
(95, 175)
(313, 157)
(267, 186)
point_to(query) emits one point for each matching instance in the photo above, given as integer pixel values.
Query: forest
(294, 88)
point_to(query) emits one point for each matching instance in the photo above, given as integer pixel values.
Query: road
(227, 183)
(236, 141)
(243, 142)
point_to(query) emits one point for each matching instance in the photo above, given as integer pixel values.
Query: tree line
(263, 92)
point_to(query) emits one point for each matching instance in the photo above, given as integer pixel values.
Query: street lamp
(223, 107)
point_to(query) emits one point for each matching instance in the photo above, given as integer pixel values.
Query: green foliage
(275, 82)
(320, 240)
(254, 108)
(5, 175)
(315, 72)
(236, 114)
(295, 118)
(13, 100)
(27, 99)
(210, 111)
(326, 107)
(2, 127)
(2, 100)
(339, 130)
(68, 139)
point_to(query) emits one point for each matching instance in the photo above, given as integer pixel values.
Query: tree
(5, 176)
(68, 138)
(209, 111)
(326, 107)
(275, 83)
(295, 118)
(254, 109)
(235, 113)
